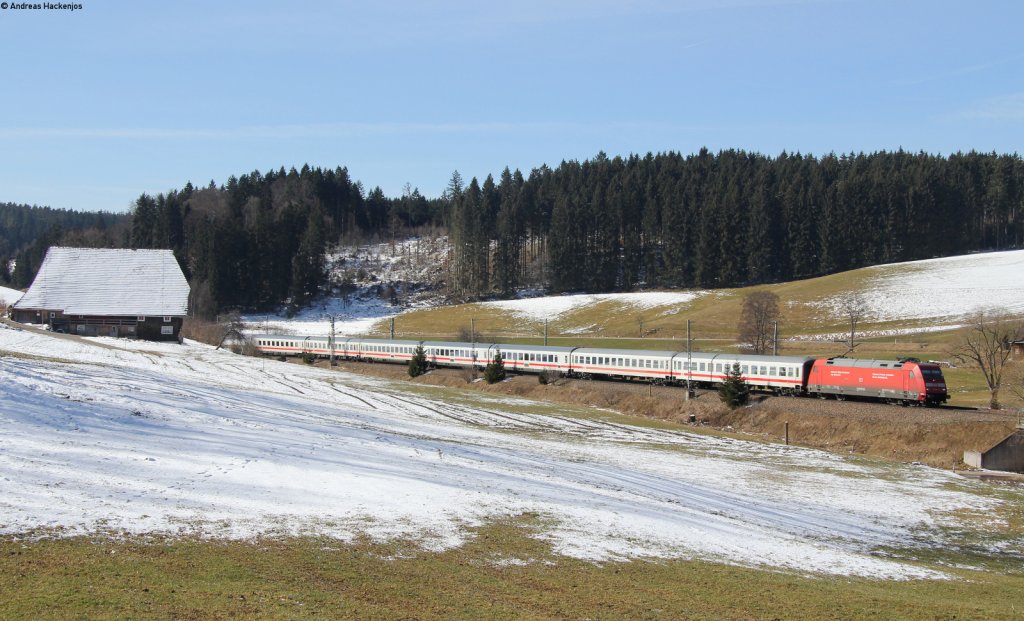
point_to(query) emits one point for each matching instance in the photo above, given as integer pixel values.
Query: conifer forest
(606, 224)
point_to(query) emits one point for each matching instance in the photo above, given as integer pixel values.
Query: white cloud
(1002, 108)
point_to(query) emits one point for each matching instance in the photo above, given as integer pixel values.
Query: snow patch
(553, 307)
(9, 296)
(946, 289)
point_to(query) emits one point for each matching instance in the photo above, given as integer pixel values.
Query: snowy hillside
(9, 296)
(555, 307)
(135, 437)
(374, 282)
(944, 290)
(368, 283)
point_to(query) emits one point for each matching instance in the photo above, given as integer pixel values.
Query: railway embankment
(937, 437)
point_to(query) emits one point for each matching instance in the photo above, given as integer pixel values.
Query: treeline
(26, 231)
(260, 239)
(726, 219)
(667, 220)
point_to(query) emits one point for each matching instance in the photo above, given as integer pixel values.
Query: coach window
(744, 369)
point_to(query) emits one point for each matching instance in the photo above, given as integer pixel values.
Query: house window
(166, 329)
(167, 319)
(141, 318)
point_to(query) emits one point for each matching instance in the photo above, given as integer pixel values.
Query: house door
(113, 331)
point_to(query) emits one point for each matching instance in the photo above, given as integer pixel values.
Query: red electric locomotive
(903, 381)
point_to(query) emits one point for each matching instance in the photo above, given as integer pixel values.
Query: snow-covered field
(944, 290)
(124, 436)
(9, 296)
(553, 307)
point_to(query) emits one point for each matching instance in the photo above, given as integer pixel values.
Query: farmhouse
(1017, 349)
(107, 292)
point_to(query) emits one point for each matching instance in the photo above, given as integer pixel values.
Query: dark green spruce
(734, 392)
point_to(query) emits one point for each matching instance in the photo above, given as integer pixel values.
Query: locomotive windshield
(931, 375)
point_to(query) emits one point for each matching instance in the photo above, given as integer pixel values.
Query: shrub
(734, 392)
(418, 362)
(495, 371)
(548, 377)
(308, 358)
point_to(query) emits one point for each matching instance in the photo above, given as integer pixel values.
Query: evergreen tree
(495, 369)
(145, 222)
(734, 391)
(418, 362)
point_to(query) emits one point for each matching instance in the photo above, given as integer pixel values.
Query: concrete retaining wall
(1008, 455)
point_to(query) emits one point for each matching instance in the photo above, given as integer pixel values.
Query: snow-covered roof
(106, 281)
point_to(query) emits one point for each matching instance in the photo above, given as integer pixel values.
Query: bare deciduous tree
(1017, 385)
(852, 306)
(986, 344)
(760, 312)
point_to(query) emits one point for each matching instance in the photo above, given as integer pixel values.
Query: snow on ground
(946, 289)
(539, 309)
(355, 317)
(9, 296)
(137, 437)
(362, 281)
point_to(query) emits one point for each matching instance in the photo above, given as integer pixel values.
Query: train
(904, 382)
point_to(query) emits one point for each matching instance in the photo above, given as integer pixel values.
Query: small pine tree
(495, 370)
(418, 362)
(734, 392)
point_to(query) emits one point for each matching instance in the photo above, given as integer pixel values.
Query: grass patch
(503, 572)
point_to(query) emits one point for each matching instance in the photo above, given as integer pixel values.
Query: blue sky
(101, 104)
